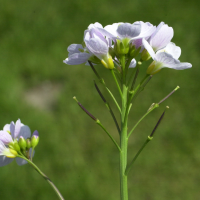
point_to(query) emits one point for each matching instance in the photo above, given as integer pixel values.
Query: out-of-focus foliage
(73, 151)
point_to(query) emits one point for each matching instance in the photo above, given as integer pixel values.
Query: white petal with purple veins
(25, 132)
(74, 48)
(161, 37)
(97, 47)
(77, 58)
(148, 47)
(127, 30)
(172, 49)
(168, 61)
(5, 137)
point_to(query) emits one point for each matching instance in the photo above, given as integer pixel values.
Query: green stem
(99, 123)
(138, 153)
(151, 109)
(113, 74)
(44, 176)
(123, 136)
(108, 106)
(104, 84)
(113, 99)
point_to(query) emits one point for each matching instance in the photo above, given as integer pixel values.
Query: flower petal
(5, 161)
(147, 29)
(127, 30)
(168, 61)
(148, 47)
(5, 137)
(74, 48)
(17, 128)
(12, 129)
(25, 132)
(98, 47)
(6, 127)
(161, 37)
(77, 58)
(20, 161)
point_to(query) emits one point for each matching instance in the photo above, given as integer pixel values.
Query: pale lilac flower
(11, 133)
(98, 46)
(6, 154)
(79, 54)
(121, 31)
(167, 57)
(159, 39)
(147, 29)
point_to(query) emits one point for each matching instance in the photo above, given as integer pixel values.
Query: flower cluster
(106, 45)
(16, 142)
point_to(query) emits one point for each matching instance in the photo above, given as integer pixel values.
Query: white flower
(159, 39)
(11, 133)
(6, 154)
(167, 57)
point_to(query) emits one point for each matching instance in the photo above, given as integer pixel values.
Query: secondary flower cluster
(106, 45)
(16, 142)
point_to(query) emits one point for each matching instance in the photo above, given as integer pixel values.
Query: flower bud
(28, 143)
(12, 153)
(22, 143)
(145, 55)
(122, 47)
(108, 62)
(154, 68)
(16, 146)
(35, 139)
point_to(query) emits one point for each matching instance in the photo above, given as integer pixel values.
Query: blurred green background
(73, 151)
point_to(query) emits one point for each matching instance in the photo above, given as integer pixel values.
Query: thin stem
(148, 139)
(150, 110)
(116, 103)
(99, 123)
(169, 94)
(113, 74)
(44, 176)
(138, 153)
(104, 84)
(108, 106)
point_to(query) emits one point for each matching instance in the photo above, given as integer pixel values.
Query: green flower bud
(28, 143)
(22, 143)
(122, 47)
(16, 146)
(108, 62)
(145, 55)
(35, 139)
(154, 68)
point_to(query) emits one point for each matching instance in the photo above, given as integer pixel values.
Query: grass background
(76, 154)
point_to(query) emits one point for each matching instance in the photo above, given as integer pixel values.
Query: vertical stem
(123, 136)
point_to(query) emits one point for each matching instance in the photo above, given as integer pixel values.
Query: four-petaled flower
(9, 136)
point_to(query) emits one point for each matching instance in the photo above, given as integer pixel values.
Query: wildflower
(167, 57)
(9, 137)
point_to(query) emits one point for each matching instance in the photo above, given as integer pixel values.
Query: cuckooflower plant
(16, 143)
(118, 47)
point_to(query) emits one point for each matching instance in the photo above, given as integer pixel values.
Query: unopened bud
(16, 146)
(35, 139)
(145, 55)
(22, 143)
(28, 143)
